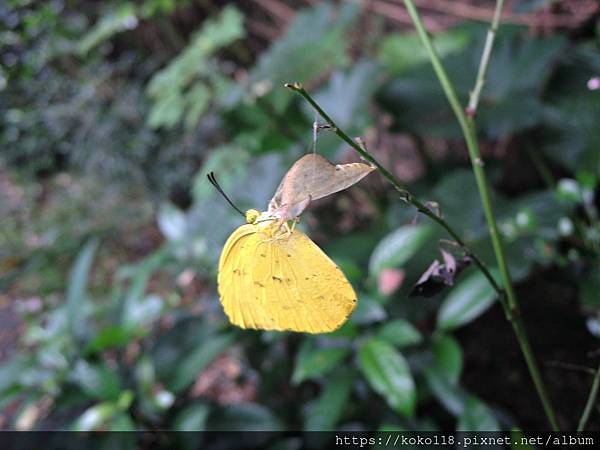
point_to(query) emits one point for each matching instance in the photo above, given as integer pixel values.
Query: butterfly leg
(288, 231)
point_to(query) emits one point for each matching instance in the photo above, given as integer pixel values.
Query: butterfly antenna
(213, 180)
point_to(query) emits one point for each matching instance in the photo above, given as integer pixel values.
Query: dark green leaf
(200, 357)
(111, 337)
(388, 373)
(229, 162)
(347, 96)
(470, 298)
(450, 395)
(510, 101)
(399, 52)
(192, 418)
(95, 416)
(302, 56)
(315, 362)
(448, 357)
(138, 308)
(589, 292)
(400, 333)
(398, 247)
(477, 417)
(368, 310)
(244, 416)
(123, 422)
(76, 296)
(174, 346)
(326, 411)
(96, 380)
(11, 372)
(460, 204)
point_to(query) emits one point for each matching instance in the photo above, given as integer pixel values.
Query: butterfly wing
(283, 283)
(236, 289)
(319, 178)
(313, 177)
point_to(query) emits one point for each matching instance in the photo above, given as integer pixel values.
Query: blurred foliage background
(112, 114)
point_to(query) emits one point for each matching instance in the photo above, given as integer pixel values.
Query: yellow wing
(282, 283)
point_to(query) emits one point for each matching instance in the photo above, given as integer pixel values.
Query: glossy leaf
(244, 416)
(477, 417)
(328, 408)
(315, 362)
(111, 337)
(96, 380)
(399, 52)
(399, 333)
(301, 55)
(470, 298)
(388, 373)
(450, 395)
(509, 103)
(398, 247)
(368, 310)
(192, 418)
(123, 422)
(200, 357)
(95, 416)
(347, 95)
(76, 297)
(448, 357)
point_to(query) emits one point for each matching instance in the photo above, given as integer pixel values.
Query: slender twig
(485, 60)
(590, 401)
(467, 125)
(569, 366)
(541, 167)
(472, 11)
(404, 194)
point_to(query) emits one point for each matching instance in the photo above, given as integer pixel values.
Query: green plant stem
(405, 195)
(485, 59)
(542, 168)
(590, 401)
(467, 125)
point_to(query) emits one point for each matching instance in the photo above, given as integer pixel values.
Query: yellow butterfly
(271, 275)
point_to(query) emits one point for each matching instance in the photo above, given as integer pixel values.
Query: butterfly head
(252, 215)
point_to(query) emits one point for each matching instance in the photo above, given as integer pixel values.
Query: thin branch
(541, 167)
(467, 125)
(279, 10)
(590, 401)
(485, 60)
(393, 12)
(572, 367)
(404, 194)
(480, 13)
